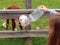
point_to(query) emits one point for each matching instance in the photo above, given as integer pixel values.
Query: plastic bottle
(35, 15)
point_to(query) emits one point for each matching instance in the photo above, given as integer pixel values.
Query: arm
(47, 10)
(53, 12)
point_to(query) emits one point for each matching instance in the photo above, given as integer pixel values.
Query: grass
(39, 41)
(20, 41)
(35, 3)
(47, 3)
(41, 23)
(12, 41)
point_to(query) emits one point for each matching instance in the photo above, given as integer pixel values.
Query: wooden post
(28, 40)
(28, 4)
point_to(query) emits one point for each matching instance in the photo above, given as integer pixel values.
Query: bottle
(35, 15)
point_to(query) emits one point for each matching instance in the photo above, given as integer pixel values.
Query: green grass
(41, 23)
(35, 3)
(12, 41)
(20, 41)
(48, 3)
(39, 41)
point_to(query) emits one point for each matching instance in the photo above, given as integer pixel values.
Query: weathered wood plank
(21, 11)
(23, 33)
(28, 40)
(28, 4)
(12, 14)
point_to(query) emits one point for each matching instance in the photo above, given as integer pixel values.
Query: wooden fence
(13, 14)
(23, 33)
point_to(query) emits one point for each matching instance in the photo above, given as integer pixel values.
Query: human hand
(44, 8)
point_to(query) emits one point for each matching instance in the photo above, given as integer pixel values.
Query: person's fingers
(41, 7)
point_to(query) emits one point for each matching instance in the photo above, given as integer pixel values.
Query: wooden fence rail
(23, 33)
(12, 14)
